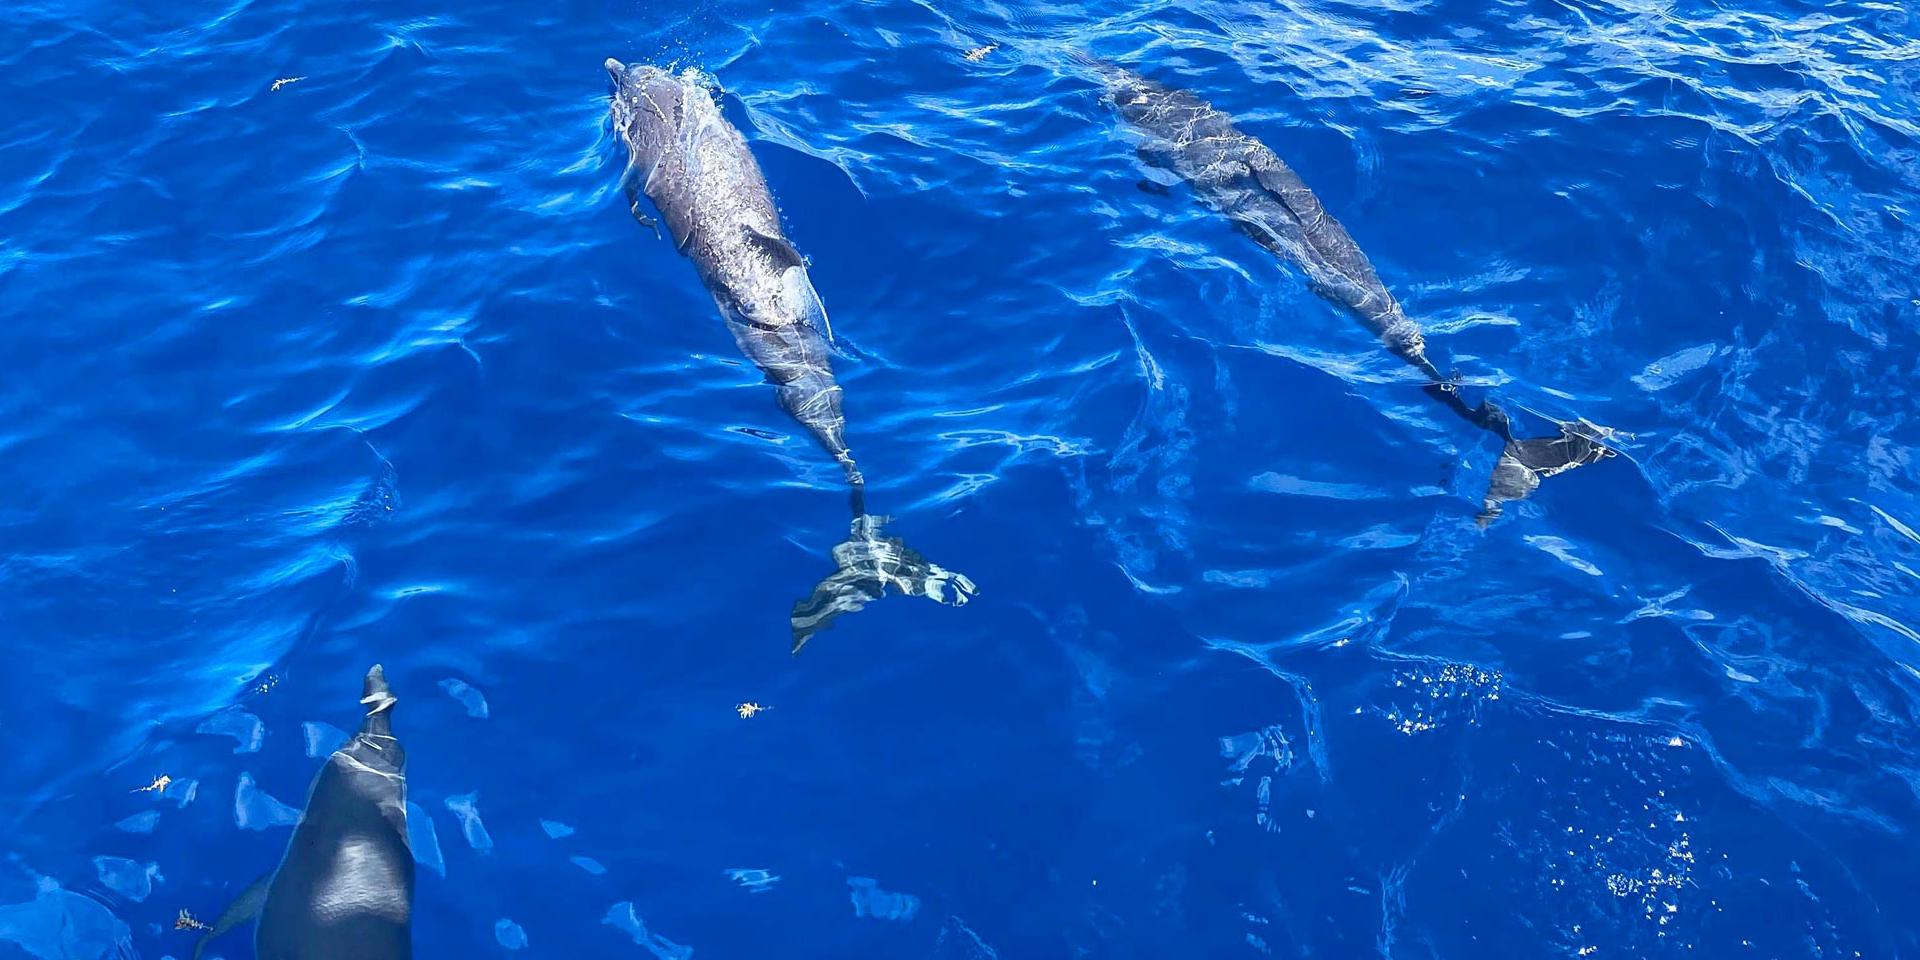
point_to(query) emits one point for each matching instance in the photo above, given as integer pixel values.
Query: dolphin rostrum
(695, 167)
(345, 887)
(1242, 178)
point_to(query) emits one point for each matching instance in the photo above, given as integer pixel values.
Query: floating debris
(142, 822)
(978, 54)
(255, 809)
(622, 917)
(754, 880)
(181, 792)
(322, 738)
(750, 709)
(248, 731)
(128, 878)
(268, 682)
(1267, 743)
(283, 81)
(511, 935)
(871, 901)
(424, 840)
(61, 923)
(187, 921)
(159, 785)
(465, 808)
(469, 697)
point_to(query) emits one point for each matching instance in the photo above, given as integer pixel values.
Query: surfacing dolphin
(1242, 178)
(695, 167)
(344, 890)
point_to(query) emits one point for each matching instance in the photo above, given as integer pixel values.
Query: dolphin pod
(1246, 181)
(695, 168)
(344, 889)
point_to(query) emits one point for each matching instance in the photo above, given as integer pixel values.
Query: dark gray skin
(696, 170)
(344, 890)
(1242, 178)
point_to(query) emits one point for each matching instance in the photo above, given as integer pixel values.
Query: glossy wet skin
(696, 170)
(345, 888)
(1245, 180)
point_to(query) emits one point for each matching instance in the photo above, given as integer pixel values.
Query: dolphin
(695, 168)
(1245, 180)
(344, 889)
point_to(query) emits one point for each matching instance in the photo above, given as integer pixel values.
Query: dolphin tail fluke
(1524, 463)
(866, 566)
(378, 698)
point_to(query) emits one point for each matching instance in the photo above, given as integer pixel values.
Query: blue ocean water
(374, 365)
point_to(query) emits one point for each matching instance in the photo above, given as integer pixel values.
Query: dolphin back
(1246, 181)
(697, 171)
(699, 174)
(345, 887)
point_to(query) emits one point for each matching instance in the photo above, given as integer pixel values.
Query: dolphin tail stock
(866, 566)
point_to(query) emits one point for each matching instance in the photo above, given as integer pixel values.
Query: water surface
(377, 366)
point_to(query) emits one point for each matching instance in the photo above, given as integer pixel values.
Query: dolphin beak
(616, 68)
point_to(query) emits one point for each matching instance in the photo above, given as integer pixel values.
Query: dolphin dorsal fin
(776, 248)
(1284, 185)
(799, 291)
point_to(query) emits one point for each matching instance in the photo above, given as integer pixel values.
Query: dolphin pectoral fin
(799, 291)
(244, 908)
(1155, 177)
(630, 182)
(866, 566)
(776, 248)
(646, 221)
(679, 215)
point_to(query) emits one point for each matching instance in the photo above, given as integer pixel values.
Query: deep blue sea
(377, 367)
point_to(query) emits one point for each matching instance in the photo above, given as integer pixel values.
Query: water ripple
(375, 364)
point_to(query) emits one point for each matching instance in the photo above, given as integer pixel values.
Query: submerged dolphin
(344, 890)
(1243, 179)
(695, 167)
